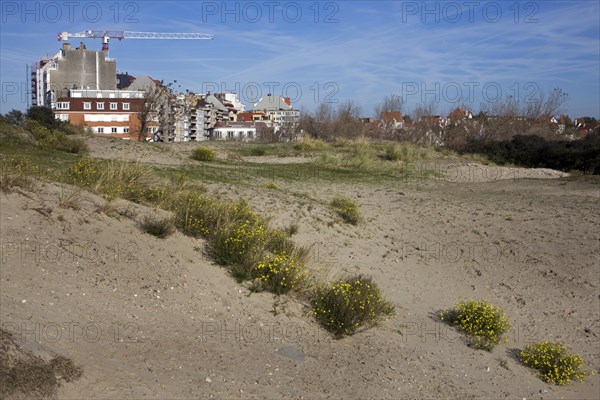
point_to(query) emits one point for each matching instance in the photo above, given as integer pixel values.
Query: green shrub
(554, 363)
(347, 209)
(159, 227)
(271, 185)
(203, 153)
(484, 323)
(279, 274)
(349, 304)
(75, 145)
(258, 151)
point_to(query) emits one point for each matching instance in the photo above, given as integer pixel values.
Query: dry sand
(152, 318)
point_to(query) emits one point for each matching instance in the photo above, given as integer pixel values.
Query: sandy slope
(151, 318)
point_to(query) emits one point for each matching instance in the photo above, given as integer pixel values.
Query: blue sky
(449, 53)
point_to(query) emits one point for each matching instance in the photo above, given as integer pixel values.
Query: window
(250, 134)
(125, 106)
(100, 130)
(113, 106)
(62, 117)
(100, 106)
(87, 105)
(230, 134)
(126, 130)
(113, 130)
(62, 105)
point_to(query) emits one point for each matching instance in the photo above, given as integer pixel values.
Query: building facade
(71, 69)
(111, 113)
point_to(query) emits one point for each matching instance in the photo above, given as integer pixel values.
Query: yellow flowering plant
(279, 274)
(554, 363)
(485, 323)
(349, 304)
(347, 209)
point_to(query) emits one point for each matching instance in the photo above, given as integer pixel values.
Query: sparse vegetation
(350, 304)
(308, 144)
(271, 185)
(292, 229)
(156, 226)
(347, 209)
(484, 323)
(203, 153)
(15, 172)
(554, 363)
(69, 198)
(24, 375)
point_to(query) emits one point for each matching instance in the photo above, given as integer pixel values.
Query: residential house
(107, 112)
(280, 112)
(391, 120)
(458, 115)
(242, 131)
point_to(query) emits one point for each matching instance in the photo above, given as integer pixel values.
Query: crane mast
(107, 35)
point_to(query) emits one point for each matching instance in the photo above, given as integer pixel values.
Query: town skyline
(449, 54)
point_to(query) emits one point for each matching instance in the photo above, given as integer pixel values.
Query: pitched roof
(388, 116)
(272, 103)
(216, 102)
(143, 83)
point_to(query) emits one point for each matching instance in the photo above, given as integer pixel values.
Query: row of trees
(495, 121)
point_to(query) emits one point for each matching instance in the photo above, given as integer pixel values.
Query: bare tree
(391, 103)
(155, 110)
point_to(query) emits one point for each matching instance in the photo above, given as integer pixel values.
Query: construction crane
(107, 35)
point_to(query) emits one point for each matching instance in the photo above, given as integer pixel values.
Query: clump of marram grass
(350, 304)
(393, 152)
(156, 226)
(406, 152)
(69, 198)
(347, 209)
(112, 179)
(203, 153)
(554, 363)
(307, 143)
(484, 323)
(271, 185)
